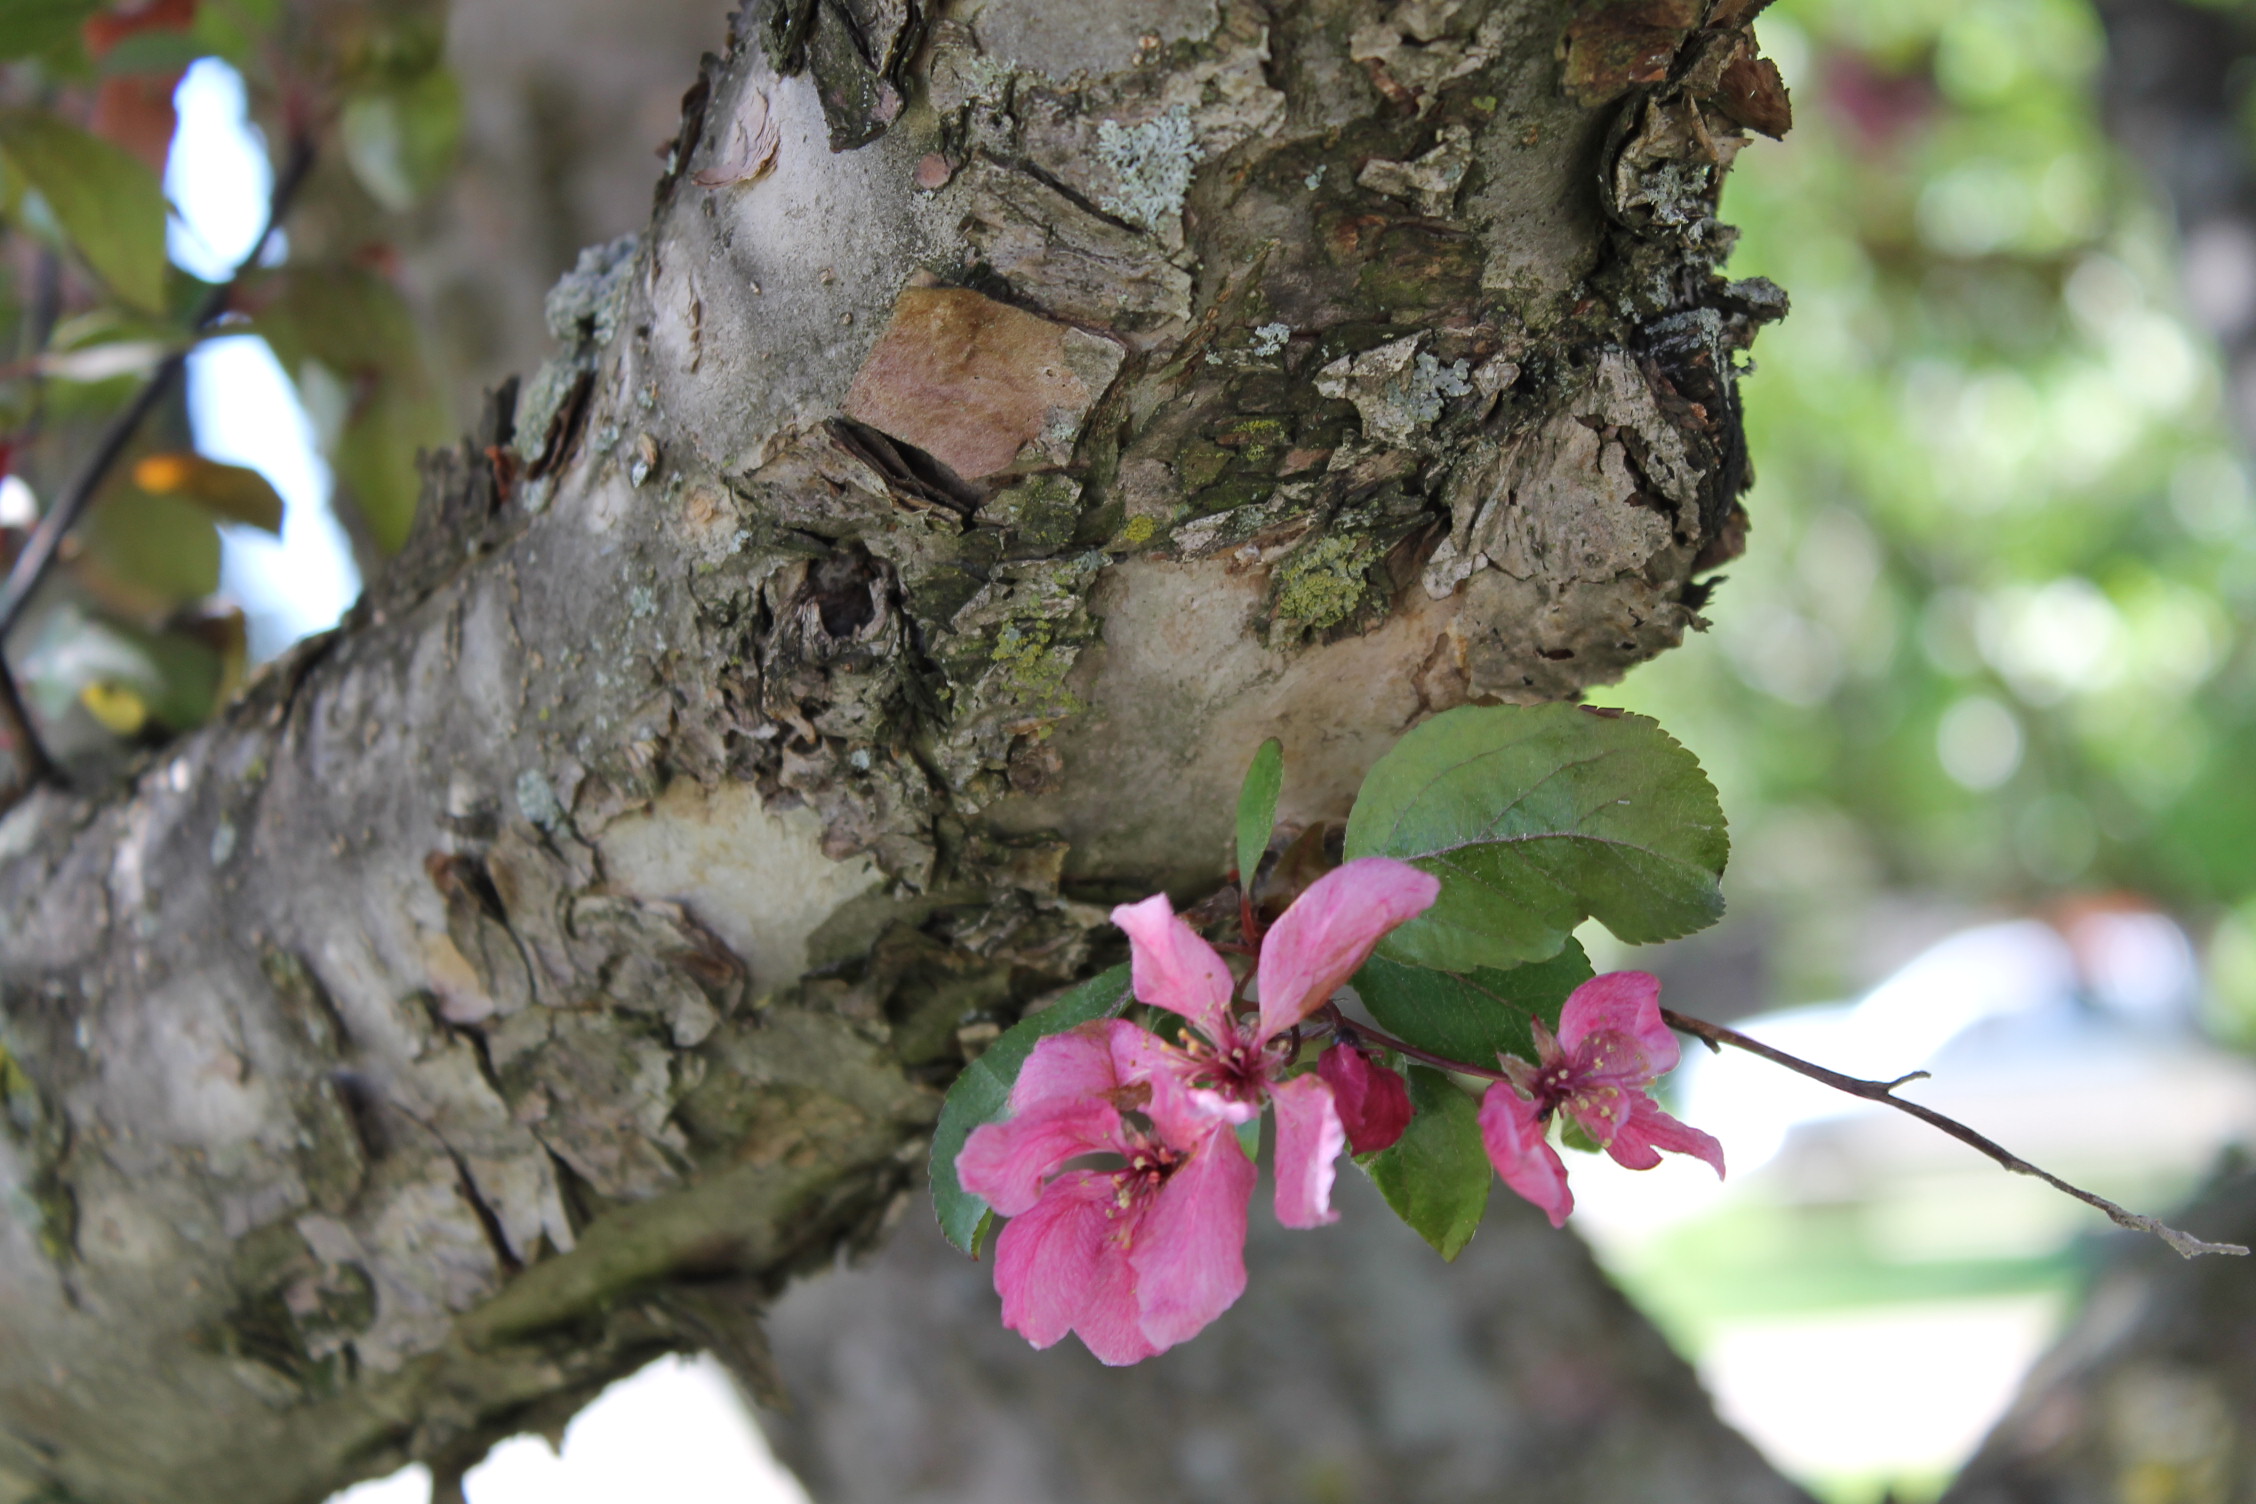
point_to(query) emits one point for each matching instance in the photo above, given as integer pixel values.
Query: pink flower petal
(1600, 1107)
(1649, 1129)
(1004, 1163)
(1512, 1133)
(1050, 1258)
(1309, 1139)
(1189, 1251)
(1173, 968)
(1329, 931)
(1111, 1322)
(1222, 1107)
(1072, 1066)
(1373, 1102)
(1182, 1115)
(1626, 1003)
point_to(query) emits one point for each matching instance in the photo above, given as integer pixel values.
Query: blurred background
(1981, 703)
(1980, 697)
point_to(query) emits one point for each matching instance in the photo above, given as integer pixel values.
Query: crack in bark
(774, 779)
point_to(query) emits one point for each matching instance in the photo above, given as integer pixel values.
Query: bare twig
(1348, 1028)
(1716, 1035)
(39, 549)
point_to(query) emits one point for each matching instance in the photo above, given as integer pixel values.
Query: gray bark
(1358, 1366)
(1004, 424)
(2150, 1395)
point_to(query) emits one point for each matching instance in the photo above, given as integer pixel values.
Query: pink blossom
(1142, 1250)
(1134, 1258)
(1611, 1047)
(1228, 1066)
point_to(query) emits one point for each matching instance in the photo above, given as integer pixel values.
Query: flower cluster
(1610, 1048)
(1120, 1166)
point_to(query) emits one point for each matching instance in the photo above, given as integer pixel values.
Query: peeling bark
(899, 559)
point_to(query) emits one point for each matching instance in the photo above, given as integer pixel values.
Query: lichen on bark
(900, 558)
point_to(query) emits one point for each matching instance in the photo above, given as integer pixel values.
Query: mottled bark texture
(1358, 1366)
(1008, 418)
(2152, 1394)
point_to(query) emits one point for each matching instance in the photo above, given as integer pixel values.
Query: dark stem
(1348, 1028)
(40, 548)
(1716, 1035)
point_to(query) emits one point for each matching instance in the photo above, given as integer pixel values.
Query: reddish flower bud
(1373, 1102)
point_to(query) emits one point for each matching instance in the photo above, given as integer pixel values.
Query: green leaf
(233, 493)
(1436, 1176)
(982, 1095)
(348, 338)
(1472, 1017)
(160, 51)
(1535, 818)
(400, 136)
(31, 27)
(375, 457)
(158, 551)
(123, 676)
(106, 199)
(347, 317)
(235, 29)
(1573, 1135)
(1257, 808)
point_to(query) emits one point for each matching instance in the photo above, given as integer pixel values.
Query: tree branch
(1715, 1036)
(718, 874)
(1348, 1031)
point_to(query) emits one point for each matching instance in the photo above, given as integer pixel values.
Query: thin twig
(1349, 1028)
(1716, 1035)
(40, 548)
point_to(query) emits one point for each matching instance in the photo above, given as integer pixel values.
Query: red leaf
(135, 111)
(124, 20)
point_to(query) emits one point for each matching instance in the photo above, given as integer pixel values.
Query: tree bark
(2149, 1395)
(1357, 1366)
(1006, 421)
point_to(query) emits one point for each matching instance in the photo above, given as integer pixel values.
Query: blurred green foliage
(1989, 635)
(127, 641)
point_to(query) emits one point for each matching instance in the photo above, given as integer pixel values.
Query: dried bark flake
(973, 382)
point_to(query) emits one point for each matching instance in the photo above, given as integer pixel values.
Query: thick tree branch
(898, 557)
